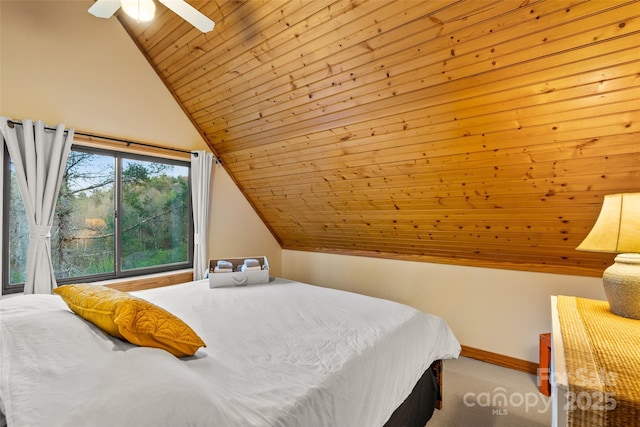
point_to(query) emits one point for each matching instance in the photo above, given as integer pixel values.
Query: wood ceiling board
(470, 132)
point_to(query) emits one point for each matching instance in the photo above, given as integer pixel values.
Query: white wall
(501, 311)
(235, 230)
(60, 64)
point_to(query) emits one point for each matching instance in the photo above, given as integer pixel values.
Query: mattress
(279, 354)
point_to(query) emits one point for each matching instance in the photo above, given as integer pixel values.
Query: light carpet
(479, 394)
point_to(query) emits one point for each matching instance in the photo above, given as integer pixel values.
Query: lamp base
(622, 285)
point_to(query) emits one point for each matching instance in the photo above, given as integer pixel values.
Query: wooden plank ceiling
(476, 132)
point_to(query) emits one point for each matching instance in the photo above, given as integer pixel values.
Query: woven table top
(602, 352)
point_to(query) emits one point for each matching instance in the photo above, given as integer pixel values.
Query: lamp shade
(617, 229)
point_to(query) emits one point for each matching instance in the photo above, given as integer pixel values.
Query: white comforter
(282, 354)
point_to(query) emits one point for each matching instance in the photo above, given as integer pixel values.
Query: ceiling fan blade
(104, 8)
(190, 14)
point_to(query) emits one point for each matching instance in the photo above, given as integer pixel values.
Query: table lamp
(617, 230)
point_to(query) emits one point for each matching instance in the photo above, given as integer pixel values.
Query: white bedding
(279, 354)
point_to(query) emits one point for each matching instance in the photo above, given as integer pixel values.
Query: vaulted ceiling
(478, 132)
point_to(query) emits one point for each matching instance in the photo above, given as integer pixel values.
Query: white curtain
(201, 162)
(39, 157)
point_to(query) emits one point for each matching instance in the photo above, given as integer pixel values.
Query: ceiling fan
(143, 10)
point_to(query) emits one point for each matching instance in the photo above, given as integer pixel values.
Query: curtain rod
(108, 138)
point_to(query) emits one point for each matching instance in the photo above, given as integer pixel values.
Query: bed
(278, 354)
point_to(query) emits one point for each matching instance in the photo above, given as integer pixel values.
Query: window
(117, 215)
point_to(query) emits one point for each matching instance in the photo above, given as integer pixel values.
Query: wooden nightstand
(595, 364)
(544, 365)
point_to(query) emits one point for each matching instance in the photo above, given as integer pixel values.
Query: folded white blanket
(225, 264)
(251, 262)
(245, 268)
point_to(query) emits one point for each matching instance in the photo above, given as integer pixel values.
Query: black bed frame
(426, 396)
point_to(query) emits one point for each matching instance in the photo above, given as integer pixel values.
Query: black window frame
(118, 272)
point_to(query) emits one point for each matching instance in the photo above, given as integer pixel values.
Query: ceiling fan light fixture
(140, 10)
(143, 10)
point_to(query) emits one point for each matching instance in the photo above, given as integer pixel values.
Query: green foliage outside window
(155, 205)
(154, 217)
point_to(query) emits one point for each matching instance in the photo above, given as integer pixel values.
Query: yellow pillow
(132, 319)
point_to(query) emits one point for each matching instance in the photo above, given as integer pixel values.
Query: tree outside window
(117, 215)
